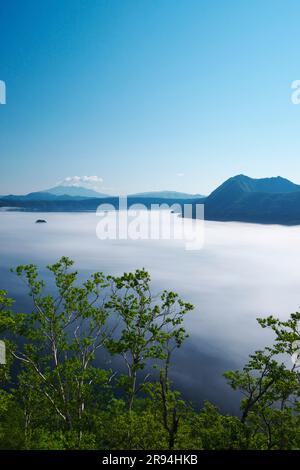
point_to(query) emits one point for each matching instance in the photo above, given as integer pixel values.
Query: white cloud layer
(91, 182)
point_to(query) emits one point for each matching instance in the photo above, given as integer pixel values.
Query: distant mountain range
(168, 195)
(240, 198)
(58, 193)
(74, 191)
(266, 200)
(77, 192)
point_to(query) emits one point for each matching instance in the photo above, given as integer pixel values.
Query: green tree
(145, 326)
(270, 385)
(59, 342)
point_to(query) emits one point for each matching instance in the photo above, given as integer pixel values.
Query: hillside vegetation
(54, 394)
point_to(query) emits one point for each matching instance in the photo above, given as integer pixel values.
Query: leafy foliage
(57, 393)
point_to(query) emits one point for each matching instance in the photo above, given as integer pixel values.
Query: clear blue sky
(139, 92)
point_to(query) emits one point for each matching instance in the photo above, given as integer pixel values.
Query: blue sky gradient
(140, 92)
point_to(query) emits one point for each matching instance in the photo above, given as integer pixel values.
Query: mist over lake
(242, 272)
